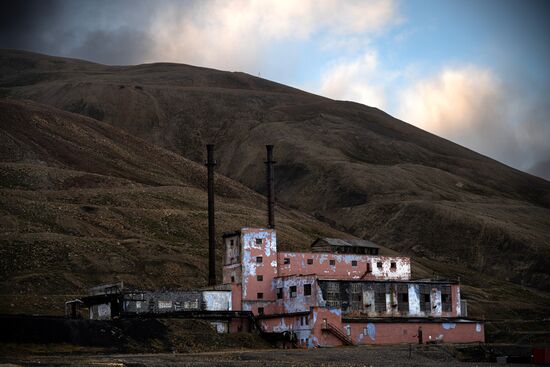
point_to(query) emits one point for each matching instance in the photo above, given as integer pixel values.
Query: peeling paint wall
(232, 256)
(407, 332)
(339, 266)
(382, 299)
(100, 312)
(217, 300)
(221, 327)
(296, 301)
(162, 302)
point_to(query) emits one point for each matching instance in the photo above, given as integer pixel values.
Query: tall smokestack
(210, 163)
(270, 187)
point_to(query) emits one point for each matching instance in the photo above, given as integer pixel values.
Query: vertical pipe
(270, 187)
(210, 163)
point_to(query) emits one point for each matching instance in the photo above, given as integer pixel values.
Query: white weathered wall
(217, 300)
(100, 312)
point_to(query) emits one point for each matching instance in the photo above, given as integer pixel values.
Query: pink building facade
(330, 299)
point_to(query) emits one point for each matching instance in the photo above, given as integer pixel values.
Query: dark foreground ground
(344, 356)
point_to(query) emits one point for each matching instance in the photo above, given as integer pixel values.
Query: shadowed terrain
(350, 165)
(82, 203)
(85, 201)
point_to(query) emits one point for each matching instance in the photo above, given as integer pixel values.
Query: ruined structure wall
(314, 332)
(348, 266)
(301, 325)
(259, 265)
(407, 332)
(387, 299)
(217, 301)
(236, 297)
(297, 301)
(162, 302)
(232, 259)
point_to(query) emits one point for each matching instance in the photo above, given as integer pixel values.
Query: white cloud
(360, 79)
(473, 107)
(452, 101)
(236, 34)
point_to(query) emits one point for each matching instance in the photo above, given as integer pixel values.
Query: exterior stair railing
(327, 326)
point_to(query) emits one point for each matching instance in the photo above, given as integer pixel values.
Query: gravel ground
(345, 356)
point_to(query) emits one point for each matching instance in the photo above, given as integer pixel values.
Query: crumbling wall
(216, 300)
(389, 299)
(259, 267)
(345, 266)
(162, 302)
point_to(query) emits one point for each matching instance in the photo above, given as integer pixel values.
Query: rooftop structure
(343, 246)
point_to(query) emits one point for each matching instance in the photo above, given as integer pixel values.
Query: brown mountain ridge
(351, 166)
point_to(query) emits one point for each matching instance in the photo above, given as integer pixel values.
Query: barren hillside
(350, 165)
(83, 203)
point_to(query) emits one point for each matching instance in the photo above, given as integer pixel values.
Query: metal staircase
(327, 326)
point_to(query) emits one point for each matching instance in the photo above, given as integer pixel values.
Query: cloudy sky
(475, 72)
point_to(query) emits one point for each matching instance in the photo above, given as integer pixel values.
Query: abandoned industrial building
(342, 292)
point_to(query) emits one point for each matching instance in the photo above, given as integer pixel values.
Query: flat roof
(346, 242)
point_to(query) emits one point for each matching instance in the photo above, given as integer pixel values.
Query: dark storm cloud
(121, 46)
(109, 32)
(21, 22)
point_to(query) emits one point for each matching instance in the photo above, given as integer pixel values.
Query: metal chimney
(270, 187)
(210, 163)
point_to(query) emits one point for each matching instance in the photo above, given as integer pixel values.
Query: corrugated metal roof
(345, 242)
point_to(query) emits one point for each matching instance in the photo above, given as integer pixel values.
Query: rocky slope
(350, 165)
(83, 203)
(134, 211)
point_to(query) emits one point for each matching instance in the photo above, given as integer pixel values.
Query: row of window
(292, 292)
(379, 264)
(403, 302)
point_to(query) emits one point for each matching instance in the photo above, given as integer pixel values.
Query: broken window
(286, 260)
(354, 263)
(425, 301)
(259, 278)
(232, 242)
(369, 268)
(260, 295)
(356, 296)
(393, 265)
(446, 298)
(293, 291)
(259, 259)
(403, 298)
(258, 241)
(232, 279)
(309, 261)
(333, 294)
(307, 289)
(279, 293)
(379, 264)
(332, 262)
(380, 302)
(260, 310)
